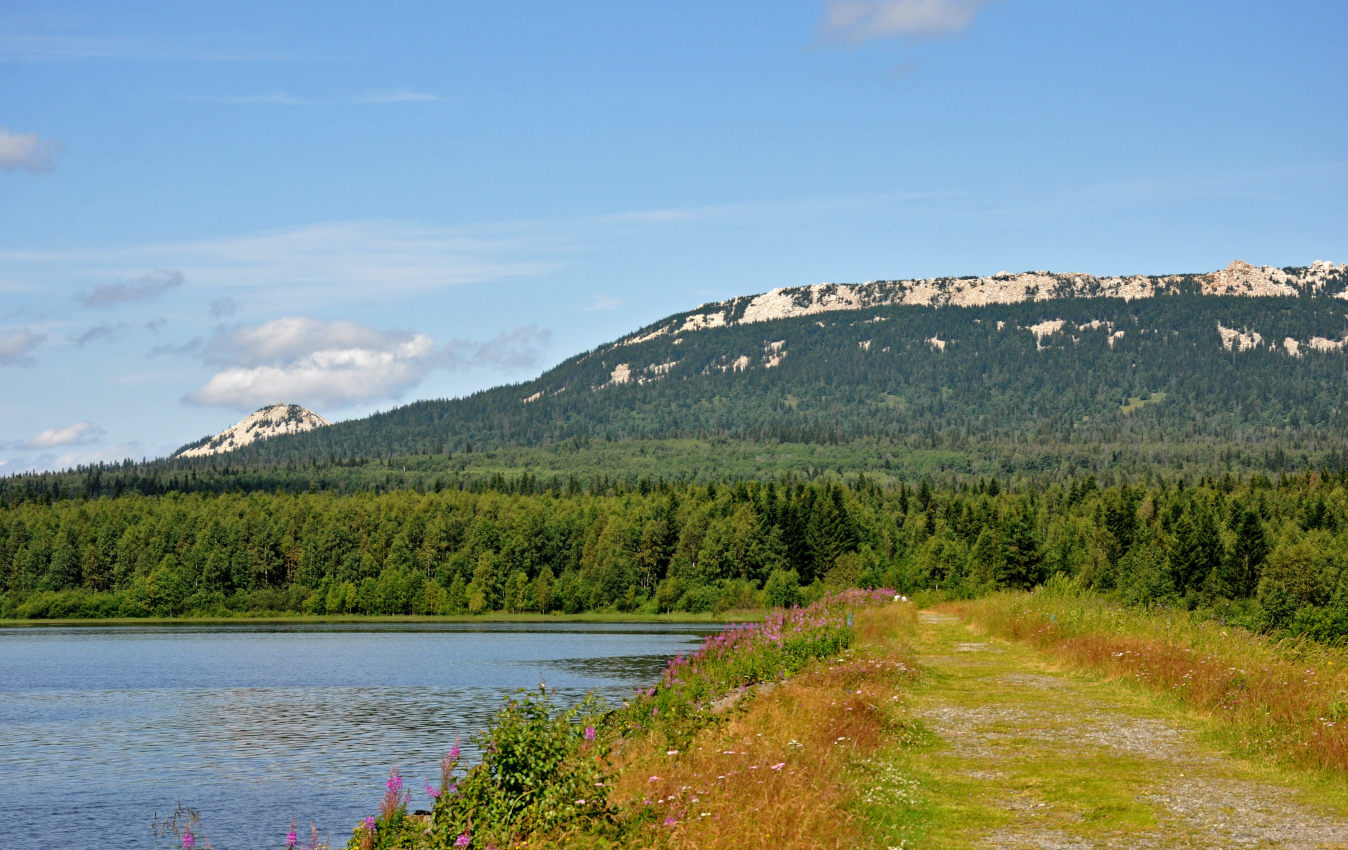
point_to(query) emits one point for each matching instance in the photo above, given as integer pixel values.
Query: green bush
(543, 770)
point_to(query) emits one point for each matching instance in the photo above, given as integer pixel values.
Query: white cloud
(146, 286)
(854, 21)
(27, 152)
(321, 363)
(312, 362)
(71, 434)
(16, 346)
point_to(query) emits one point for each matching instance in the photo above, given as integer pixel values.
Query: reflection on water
(101, 727)
(624, 668)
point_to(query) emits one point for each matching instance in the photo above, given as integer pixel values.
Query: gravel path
(1061, 761)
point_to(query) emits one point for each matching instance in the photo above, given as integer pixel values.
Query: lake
(103, 727)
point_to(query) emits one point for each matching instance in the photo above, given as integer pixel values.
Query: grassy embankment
(760, 738)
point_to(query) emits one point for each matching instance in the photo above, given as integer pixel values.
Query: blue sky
(206, 207)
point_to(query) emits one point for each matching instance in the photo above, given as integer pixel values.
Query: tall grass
(781, 773)
(1288, 698)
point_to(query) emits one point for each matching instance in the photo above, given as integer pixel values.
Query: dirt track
(1034, 757)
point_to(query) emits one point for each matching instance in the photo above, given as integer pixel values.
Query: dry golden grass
(776, 773)
(1287, 698)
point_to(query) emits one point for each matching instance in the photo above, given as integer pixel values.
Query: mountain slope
(1166, 362)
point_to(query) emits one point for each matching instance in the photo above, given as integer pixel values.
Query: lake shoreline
(734, 616)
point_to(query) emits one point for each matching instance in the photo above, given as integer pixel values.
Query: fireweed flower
(368, 823)
(189, 840)
(463, 840)
(394, 784)
(433, 793)
(589, 733)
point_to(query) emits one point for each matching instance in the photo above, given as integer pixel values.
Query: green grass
(1004, 746)
(1136, 403)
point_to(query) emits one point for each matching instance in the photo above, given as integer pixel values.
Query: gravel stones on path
(1027, 739)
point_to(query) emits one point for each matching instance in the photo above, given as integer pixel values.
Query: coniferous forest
(1258, 552)
(1131, 447)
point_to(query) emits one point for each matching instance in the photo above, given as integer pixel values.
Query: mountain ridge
(1238, 278)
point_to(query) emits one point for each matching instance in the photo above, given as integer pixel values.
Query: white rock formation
(270, 421)
(1238, 278)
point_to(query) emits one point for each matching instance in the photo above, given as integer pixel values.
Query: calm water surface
(100, 728)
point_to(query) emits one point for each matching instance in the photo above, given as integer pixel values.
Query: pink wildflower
(463, 840)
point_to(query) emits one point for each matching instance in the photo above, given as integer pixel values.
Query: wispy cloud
(285, 98)
(856, 21)
(80, 432)
(146, 286)
(17, 346)
(98, 333)
(32, 47)
(78, 457)
(602, 303)
(223, 308)
(517, 349)
(358, 261)
(27, 152)
(397, 96)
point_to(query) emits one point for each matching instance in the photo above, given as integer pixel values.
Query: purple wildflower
(453, 753)
(463, 840)
(589, 733)
(368, 823)
(671, 820)
(433, 793)
(189, 840)
(394, 784)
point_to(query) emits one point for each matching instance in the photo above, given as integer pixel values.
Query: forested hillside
(1063, 387)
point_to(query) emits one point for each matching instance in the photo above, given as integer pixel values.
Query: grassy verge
(765, 730)
(793, 767)
(1285, 699)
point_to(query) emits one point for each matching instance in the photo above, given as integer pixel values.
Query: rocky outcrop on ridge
(270, 421)
(1239, 278)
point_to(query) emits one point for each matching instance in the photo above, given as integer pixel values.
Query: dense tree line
(1260, 553)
